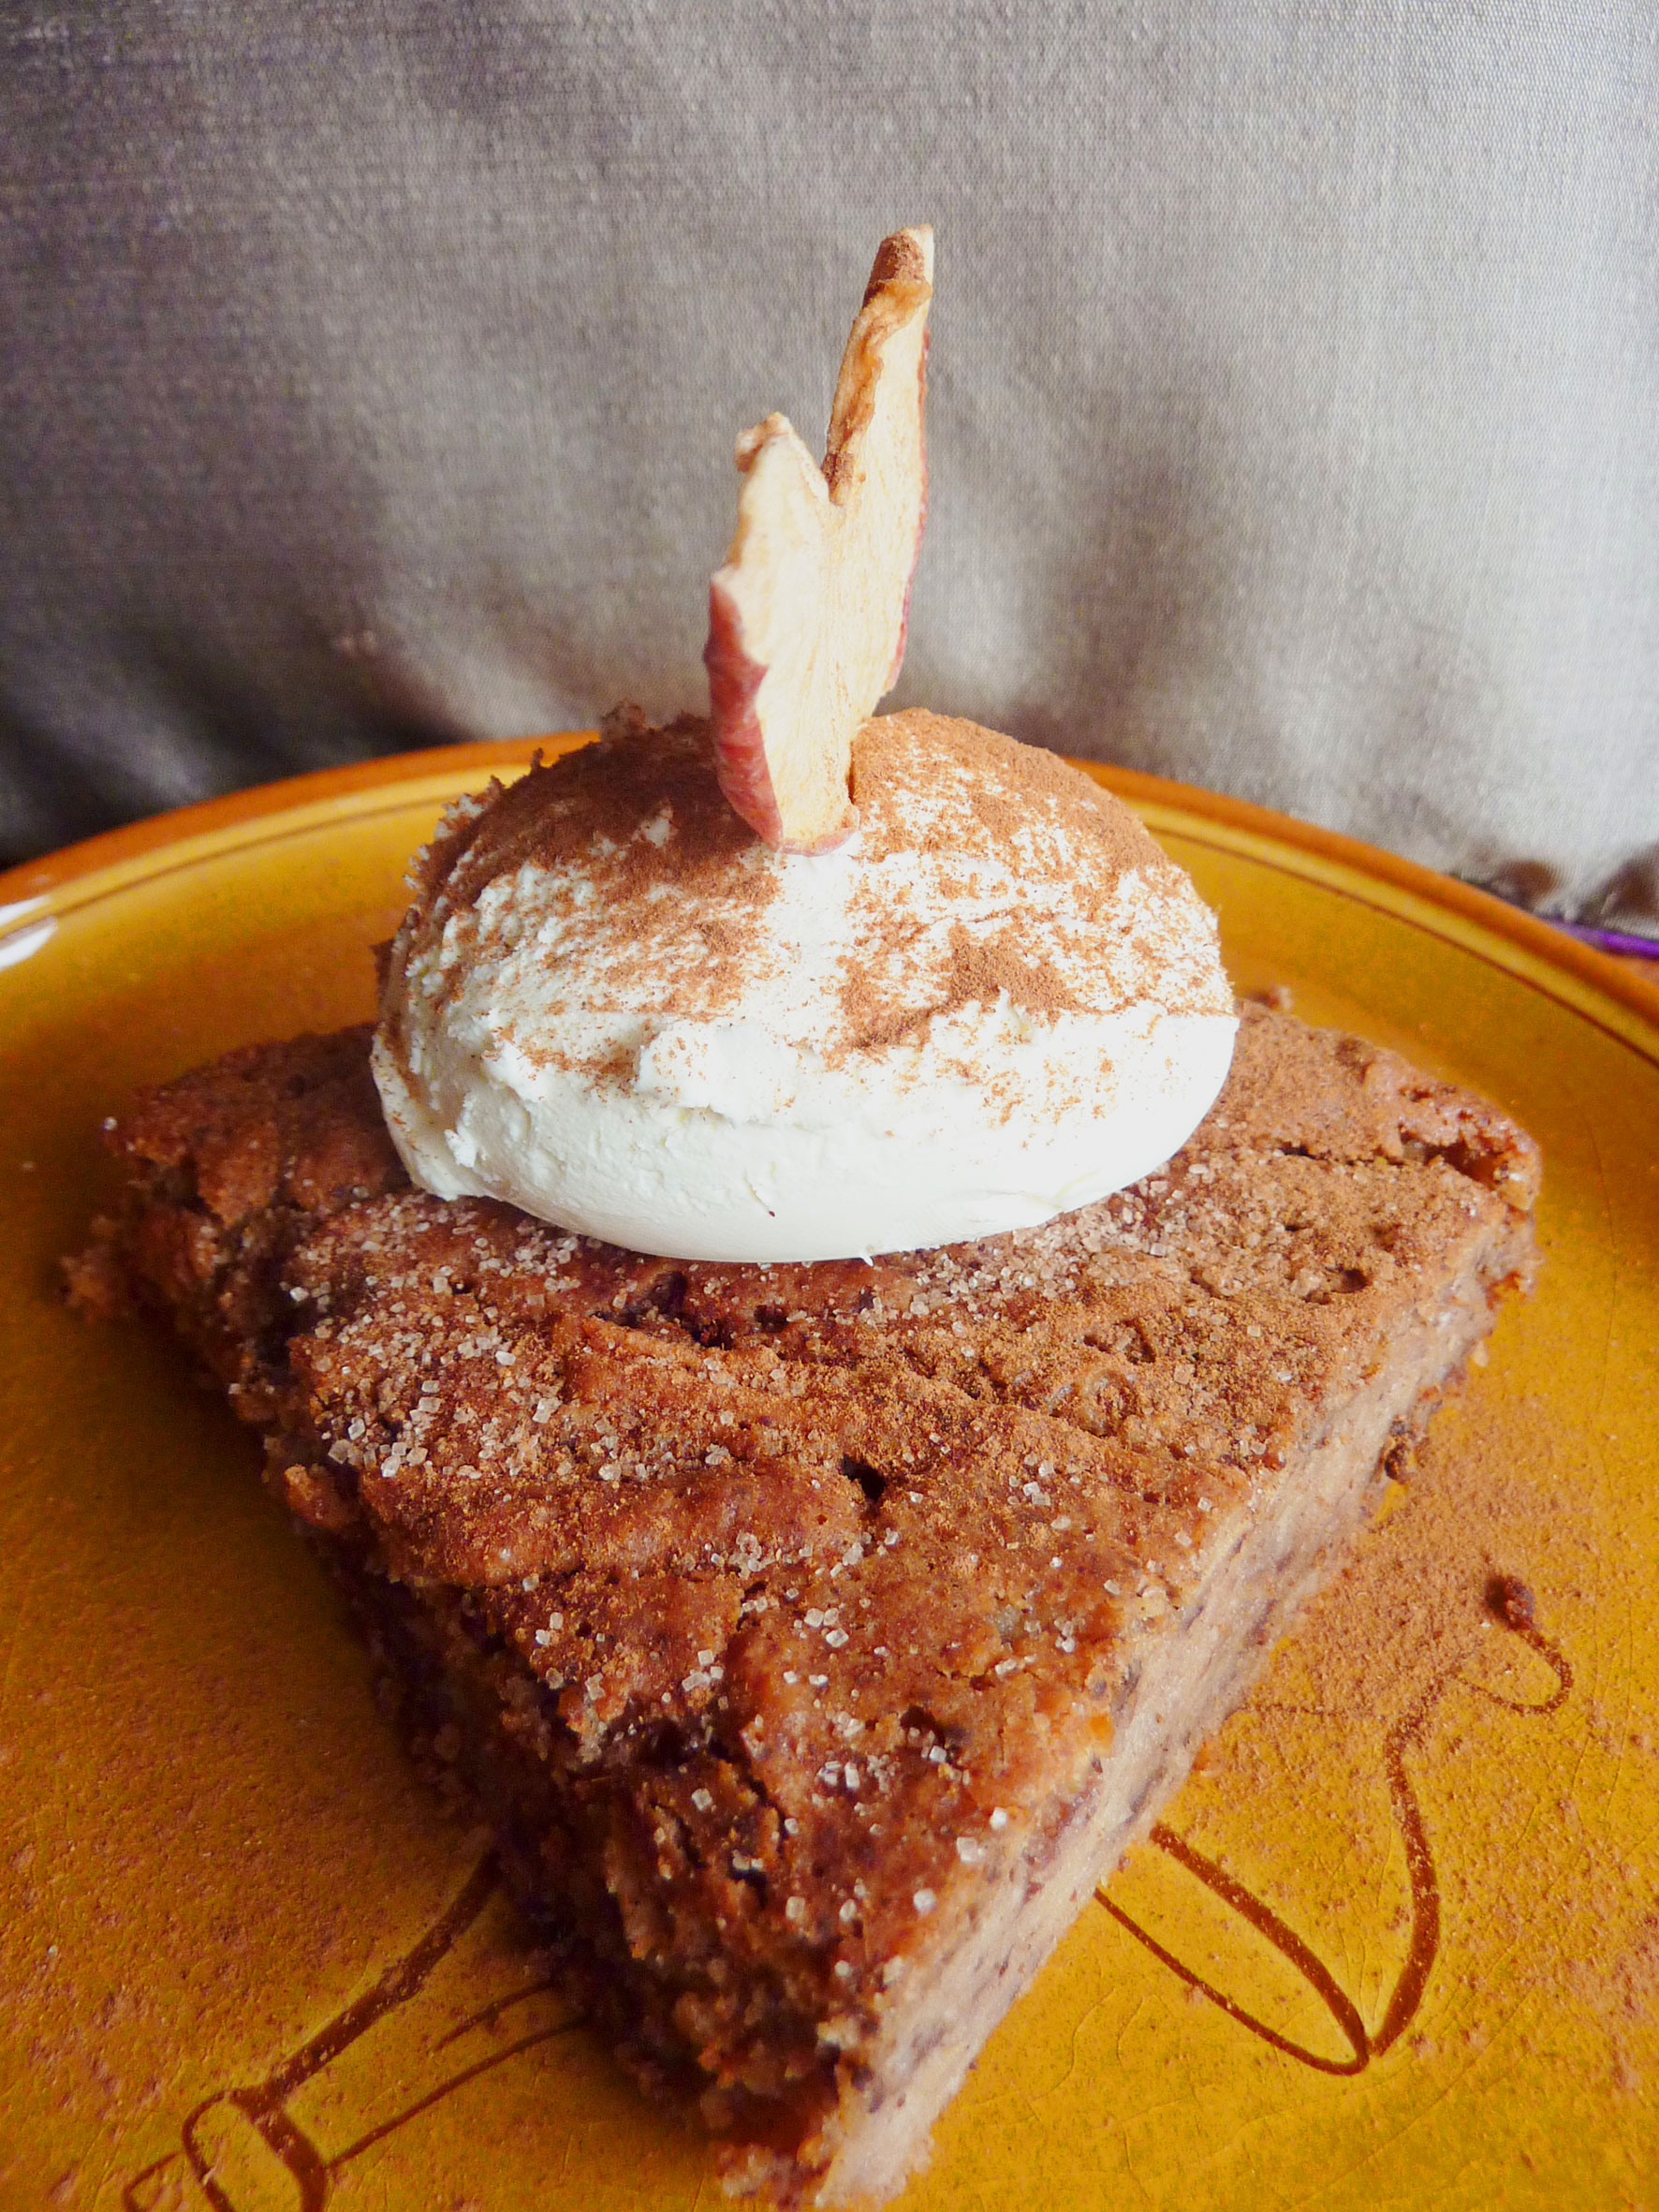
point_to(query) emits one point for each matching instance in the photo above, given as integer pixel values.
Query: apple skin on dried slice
(807, 618)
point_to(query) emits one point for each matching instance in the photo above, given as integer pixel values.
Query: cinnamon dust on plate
(1454, 1734)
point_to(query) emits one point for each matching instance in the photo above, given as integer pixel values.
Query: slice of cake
(817, 1636)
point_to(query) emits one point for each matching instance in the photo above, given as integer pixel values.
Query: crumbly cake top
(837, 1568)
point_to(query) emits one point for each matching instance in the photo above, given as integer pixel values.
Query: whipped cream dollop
(610, 1005)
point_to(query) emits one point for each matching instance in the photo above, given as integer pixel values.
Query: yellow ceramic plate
(1397, 1944)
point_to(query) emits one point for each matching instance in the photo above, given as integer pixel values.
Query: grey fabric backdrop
(370, 372)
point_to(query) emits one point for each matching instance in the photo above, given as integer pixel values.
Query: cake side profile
(818, 1635)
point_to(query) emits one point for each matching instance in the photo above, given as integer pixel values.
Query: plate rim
(1593, 984)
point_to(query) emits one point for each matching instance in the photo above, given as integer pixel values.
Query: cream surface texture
(607, 1006)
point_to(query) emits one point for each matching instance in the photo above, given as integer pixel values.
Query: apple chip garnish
(807, 618)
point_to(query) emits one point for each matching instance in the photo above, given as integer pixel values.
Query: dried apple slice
(807, 618)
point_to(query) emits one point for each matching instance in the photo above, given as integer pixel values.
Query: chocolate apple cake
(818, 1636)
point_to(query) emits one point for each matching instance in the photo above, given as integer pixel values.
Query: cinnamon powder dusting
(978, 971)
(628, 852)
(1076, 910)
(1438, 1723)
(616, 887)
